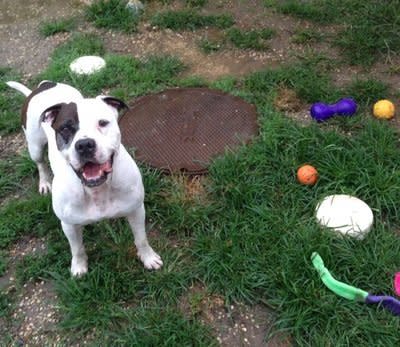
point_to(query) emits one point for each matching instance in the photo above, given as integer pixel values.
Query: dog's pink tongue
(93, 171)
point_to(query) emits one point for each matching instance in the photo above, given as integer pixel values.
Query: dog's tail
(20, 87)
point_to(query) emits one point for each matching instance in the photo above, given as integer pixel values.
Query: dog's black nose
(86, 147)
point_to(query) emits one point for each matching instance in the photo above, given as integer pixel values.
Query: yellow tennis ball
(383, 109)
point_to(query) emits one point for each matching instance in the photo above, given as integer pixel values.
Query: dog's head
(87, 135)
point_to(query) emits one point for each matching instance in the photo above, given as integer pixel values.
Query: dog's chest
(101, 205)
(97, 206)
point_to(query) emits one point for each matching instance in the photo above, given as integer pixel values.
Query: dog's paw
(79, 267)
(150, 259)
(44, 187)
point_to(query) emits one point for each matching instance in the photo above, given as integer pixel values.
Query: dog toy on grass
(352, 293)
(307, 175)
(383, 109)
(344, 107)
(397, 283)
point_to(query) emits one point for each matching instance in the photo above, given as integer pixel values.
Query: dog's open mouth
(94, 174)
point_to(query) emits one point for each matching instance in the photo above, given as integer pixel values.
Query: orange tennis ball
(383, 109)
(307, 175)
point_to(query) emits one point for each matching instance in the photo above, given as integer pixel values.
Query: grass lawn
(249, 235)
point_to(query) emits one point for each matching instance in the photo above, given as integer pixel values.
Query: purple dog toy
(344, 107)
(388, 302)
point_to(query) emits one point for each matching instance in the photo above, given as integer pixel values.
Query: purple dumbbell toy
(344, 107)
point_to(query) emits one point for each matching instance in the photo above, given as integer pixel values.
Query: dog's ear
(118, 104)
(50, 114)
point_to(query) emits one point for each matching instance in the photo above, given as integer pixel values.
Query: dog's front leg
(79, 258)
(150, 259)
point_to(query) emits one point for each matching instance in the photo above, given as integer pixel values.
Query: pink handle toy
(397, 283)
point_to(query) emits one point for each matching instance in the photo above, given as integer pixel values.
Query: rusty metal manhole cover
(183, 129)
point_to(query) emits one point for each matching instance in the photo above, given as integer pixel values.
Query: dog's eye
(103, 123)
(65, 131)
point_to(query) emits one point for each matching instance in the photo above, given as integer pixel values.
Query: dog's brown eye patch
(103, 123)
(66, 125)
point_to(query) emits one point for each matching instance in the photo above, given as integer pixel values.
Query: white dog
(94, 176)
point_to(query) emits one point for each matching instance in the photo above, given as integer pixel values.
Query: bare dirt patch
(35, 311)
(26, 51)
(287, 102)
(11, 145)
(36, 315)
(21, 45)
(229, 60)
(25, 246)
(233, 325)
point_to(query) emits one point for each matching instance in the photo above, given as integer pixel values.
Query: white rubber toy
(87, 65)
(346, 215)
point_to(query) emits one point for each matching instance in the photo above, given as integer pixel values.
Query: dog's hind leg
(36, 152)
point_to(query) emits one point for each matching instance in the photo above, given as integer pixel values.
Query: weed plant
(10, 103)
(250, 39)
(112, 14)
(47, 29)
(306, 36)
(190, 20)
(210, 46)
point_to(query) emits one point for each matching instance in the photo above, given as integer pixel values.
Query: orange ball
(307, 175)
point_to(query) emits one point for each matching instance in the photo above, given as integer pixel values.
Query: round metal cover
(181, 130)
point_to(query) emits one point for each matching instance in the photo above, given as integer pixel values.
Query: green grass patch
(57, 258)
(259, 248)
(117, 282)
(307, 78)
(57, 26)
(33, 216)
(210, 46)
(3, 262)
(125, 75)
(250, 39)
(14, 171)
(372, 32)
(10, 103)
(65, 54)
(190, 20)
(304, 36)
(6, 308)
(4, 301)
(310, 79)
(320, 11)
(196, 3)
(371, 28)
(192, 82)
(112, 14)
(367, 91)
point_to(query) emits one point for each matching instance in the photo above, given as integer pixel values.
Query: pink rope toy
(397, 283)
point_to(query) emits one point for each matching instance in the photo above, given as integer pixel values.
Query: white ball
(87, 65)
(346, 215)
